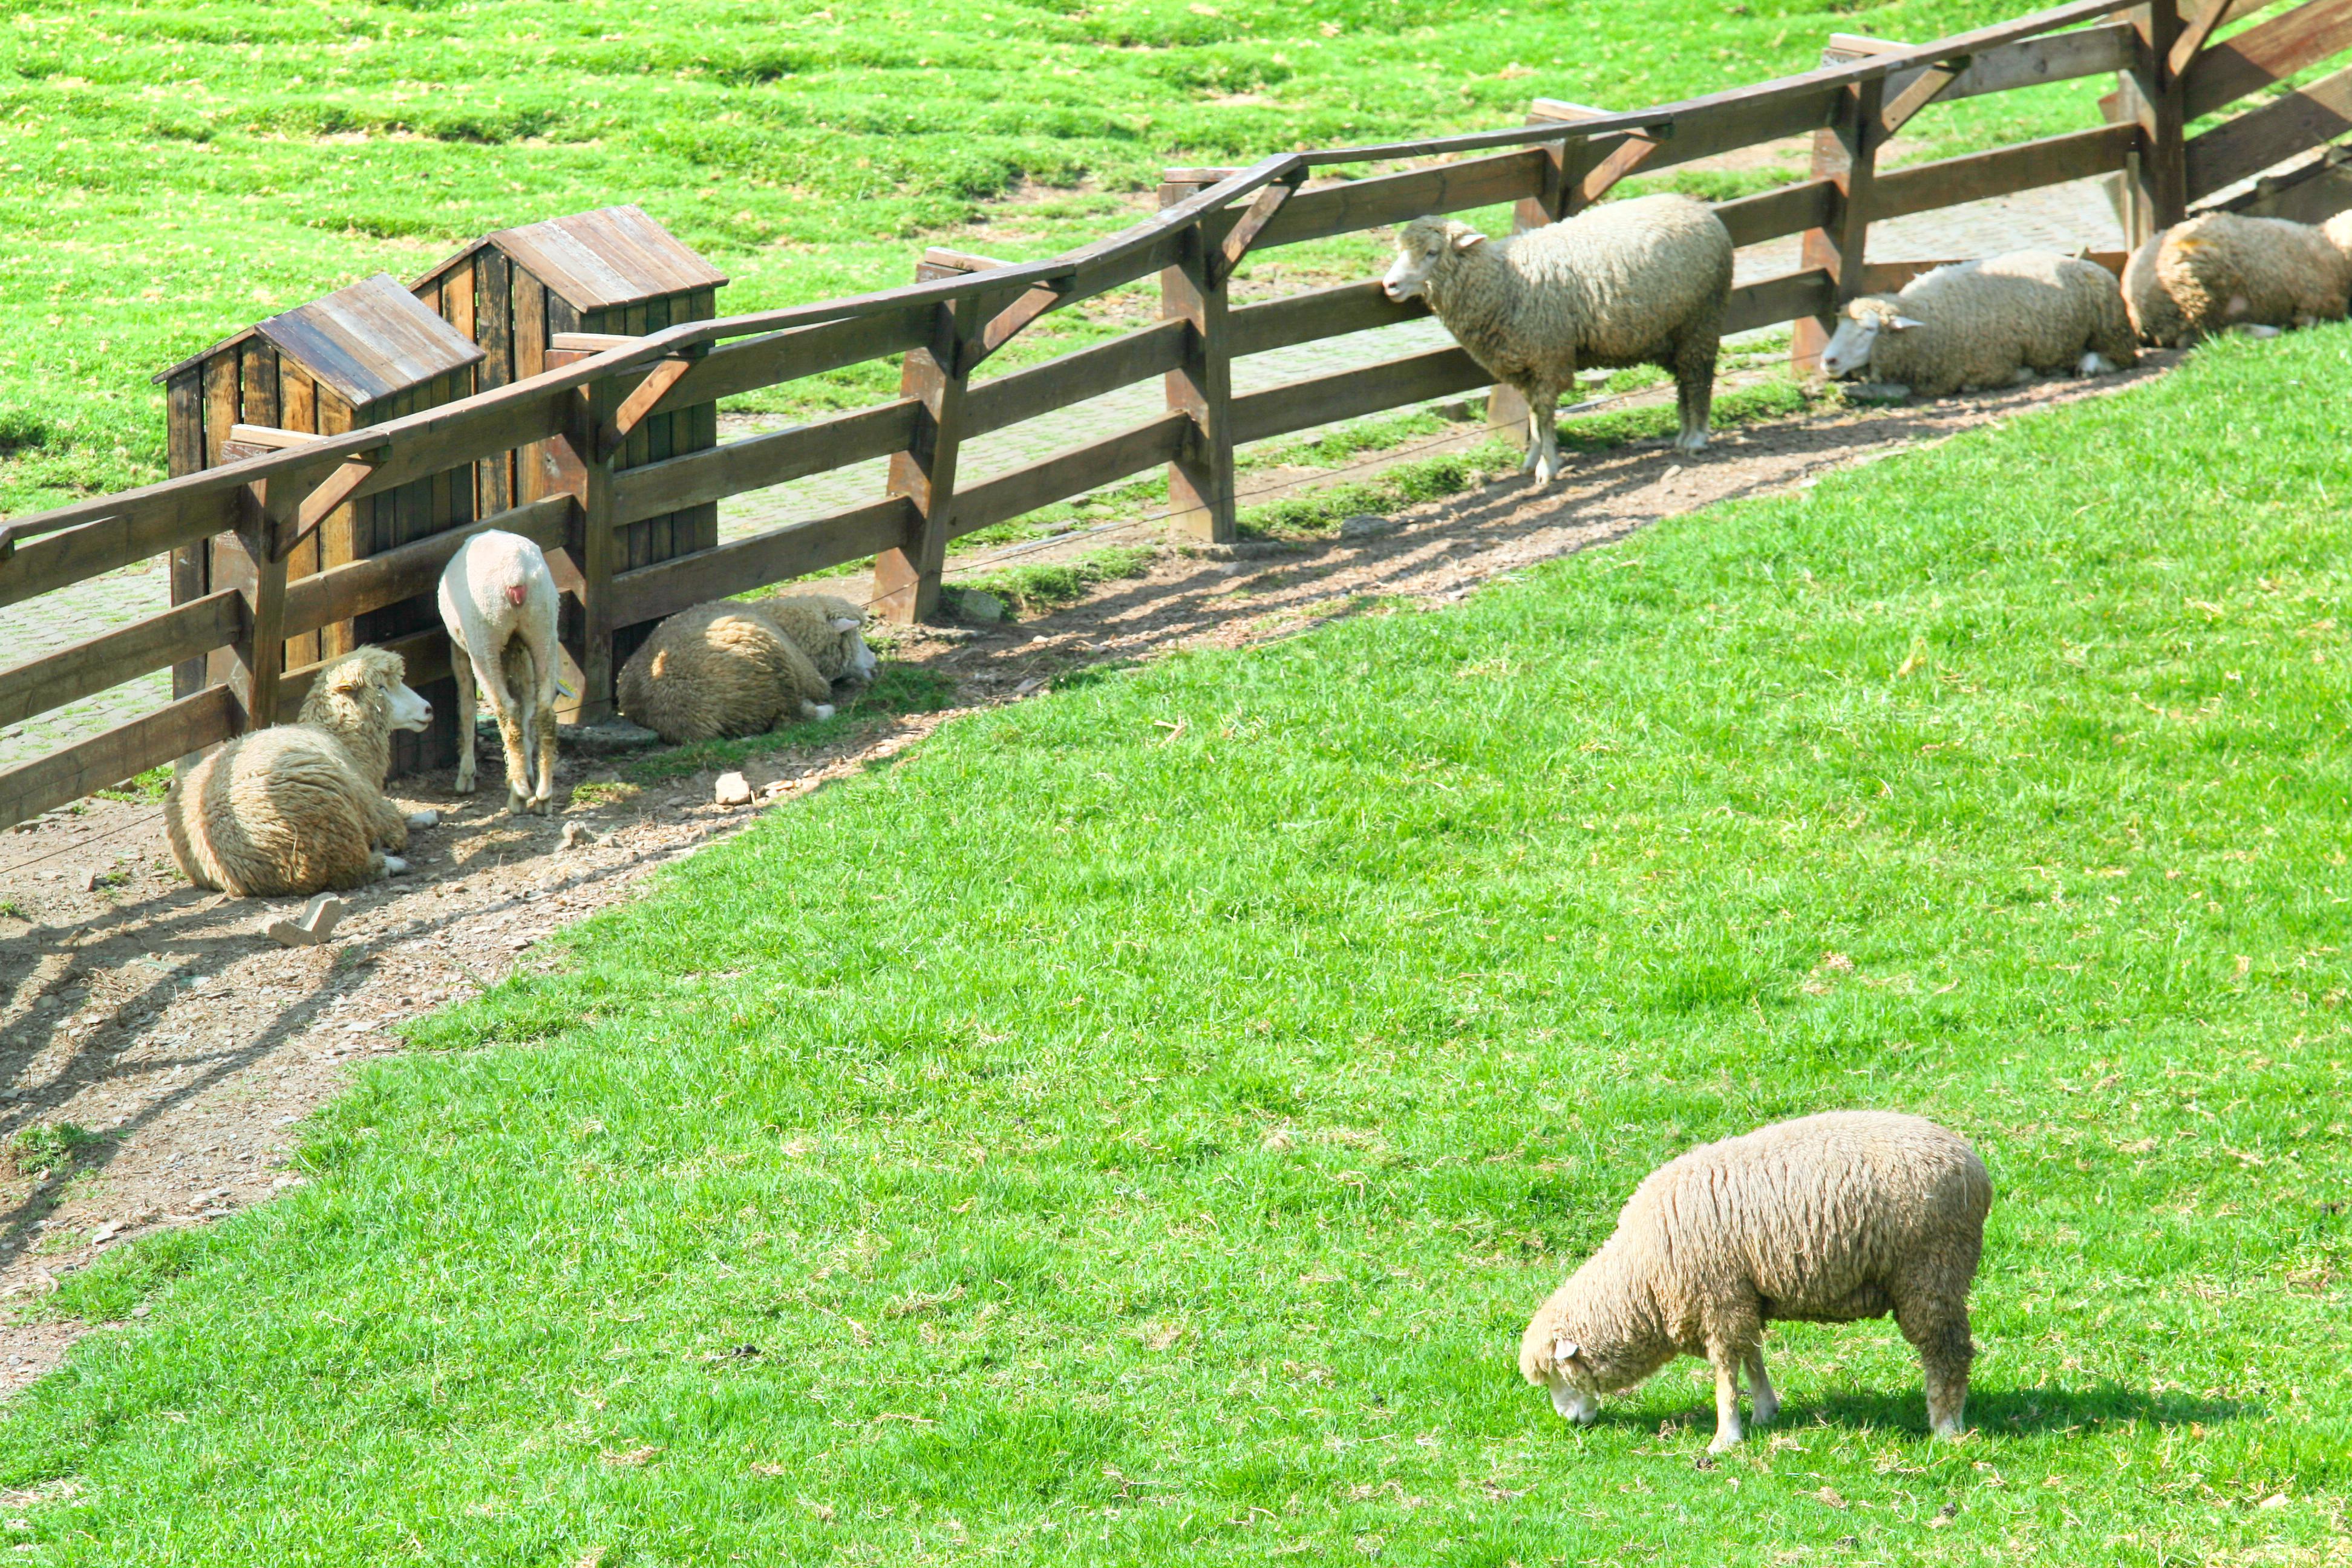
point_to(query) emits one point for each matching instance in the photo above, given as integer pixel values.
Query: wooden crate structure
(357, 357)
(614, 271)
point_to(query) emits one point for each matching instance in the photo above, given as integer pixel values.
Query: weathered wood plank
(758, 461)
(2278, 130)
(96, 664)
(406, 571)
(1769, 215)
(1344, 395)
(204, 719)
(2048, 161)
(2029, 62)
(1071, 472)
(783, 356)
(1323, 313)
(2267, 52)
(1793, 296)
(1395, 198)
(793, 551)
(1073, 378)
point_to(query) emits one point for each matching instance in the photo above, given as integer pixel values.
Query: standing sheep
(1976, 325)
(2222, 272)
(1632, 282)
(730, 668)
(1828, 1219)
(498, 603)
(300, 808)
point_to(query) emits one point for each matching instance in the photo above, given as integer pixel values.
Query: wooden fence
(962, 310)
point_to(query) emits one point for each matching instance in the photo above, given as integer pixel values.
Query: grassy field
(1134, 1128)
(174, 173)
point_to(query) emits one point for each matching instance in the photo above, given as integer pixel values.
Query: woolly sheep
(1828, 1219)
(1632, 282)
(2222, 272)
(300, 808)
(730, 668)
(498, 603)
(1992, 323)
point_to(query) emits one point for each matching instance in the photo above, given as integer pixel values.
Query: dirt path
(187, 1048)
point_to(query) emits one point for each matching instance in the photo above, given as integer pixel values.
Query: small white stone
(733, 790)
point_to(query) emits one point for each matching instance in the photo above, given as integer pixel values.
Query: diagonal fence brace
(1270, 201)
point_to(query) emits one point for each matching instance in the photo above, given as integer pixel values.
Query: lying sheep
(1976, 325)
(1632, 282)
(728, 668)
(498, 603)
(300, 808)
(1852, 1214)
(2222, 272)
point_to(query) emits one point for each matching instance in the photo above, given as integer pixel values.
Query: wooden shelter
(357, 357)
(615, 273)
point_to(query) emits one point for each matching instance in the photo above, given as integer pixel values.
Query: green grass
(174, 173)
(1134, 1128)
(42, 1147)
(1033, 586)
(897, 688)
(146, 788)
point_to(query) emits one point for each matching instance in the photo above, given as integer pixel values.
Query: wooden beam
(2269, 51)
(2262, 137)
(102, 662)
(1075, 377)
(2053, 159)
(2158, 105)
(1270, 202)
(1201, 499)
(591, 343)
(642, 401)
(1635, 151)
(1071, 472)
(923, 474)
(1845, 154)
(758, 461)
(202, 719)
(1321, 314)
(1348, 393)
(777, 555)
(1923, 91)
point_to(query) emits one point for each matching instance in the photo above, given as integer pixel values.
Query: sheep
(498, 603)
(2222, 272)
(300, 808)
(730, 668)
(1633, 282)
(1979, 324)
(1828, 1219)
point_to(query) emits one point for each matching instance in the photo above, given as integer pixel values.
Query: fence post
(259, 655)
(576, 463)
(1566, 164)
(1846, 152)
(1201, 499)
(938, 376)
(2157, 178)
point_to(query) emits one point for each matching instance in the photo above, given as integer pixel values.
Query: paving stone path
(2059, 217)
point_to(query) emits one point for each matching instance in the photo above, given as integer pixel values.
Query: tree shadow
(2026, 1412)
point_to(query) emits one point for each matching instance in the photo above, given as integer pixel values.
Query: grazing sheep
(300, 808)
(728, 668)
(1852, 1214)
(1632, 282)
(2222, 272)
(1981, 324)
(499, 602)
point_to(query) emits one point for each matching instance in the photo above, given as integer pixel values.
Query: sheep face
(1849, 347)
(858, 661)
(1551, 1358)
(1422, 246)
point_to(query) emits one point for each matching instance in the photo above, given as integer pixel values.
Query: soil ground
(187, 1046)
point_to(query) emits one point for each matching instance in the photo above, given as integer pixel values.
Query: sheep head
(1857, 332)
(2337, 232)
(360, 698)
(1422, 247)
(847, 621)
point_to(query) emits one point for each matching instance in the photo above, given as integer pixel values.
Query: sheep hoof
(819, 710)
(423, 819)
(1694, 442)
(464, 785)
(1724, 1443)
(393, 866)
(1527, 464)
(1765, 1413)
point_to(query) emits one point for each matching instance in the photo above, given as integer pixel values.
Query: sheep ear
(846, 622)
(1562, 1349)
(1465, 241)
(1903, 323)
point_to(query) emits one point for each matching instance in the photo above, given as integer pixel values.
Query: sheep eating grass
(1828, 1219)
(1634, 282)
(300, 808)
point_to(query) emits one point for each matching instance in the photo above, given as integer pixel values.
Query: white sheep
(1981, 324)
(499, 602)
(1828, 1218)
(731, 668)
(300, 808)
(2222, 272)
(1633, 282)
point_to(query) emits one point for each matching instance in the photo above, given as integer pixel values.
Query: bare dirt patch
(154, 1018)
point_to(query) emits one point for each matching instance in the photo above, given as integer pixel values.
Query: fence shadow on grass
(2031, 1412)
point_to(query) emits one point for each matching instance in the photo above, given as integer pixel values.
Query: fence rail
(581, 411)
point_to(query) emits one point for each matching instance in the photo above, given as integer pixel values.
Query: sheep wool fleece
(730, 668)
(297, 808)
(1984, 322)
(1828, 1219)
(2222, 270)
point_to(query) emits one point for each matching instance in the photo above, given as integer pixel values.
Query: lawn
(175, 172)
(1133, 1128)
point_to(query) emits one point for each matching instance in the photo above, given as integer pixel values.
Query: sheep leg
(1727, 1359)
(493, 674)
(1764, 1404)
(461, 668)
(1545, 411)
(536, 723)
(1694, 369)
(1938, 1329)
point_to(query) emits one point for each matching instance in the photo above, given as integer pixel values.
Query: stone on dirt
(734, 789)
(311, 926)
(975, 605)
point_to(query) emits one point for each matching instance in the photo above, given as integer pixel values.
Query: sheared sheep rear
(2222, 272)
(1828, 1219)
(1644, 281)
(731, 668)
